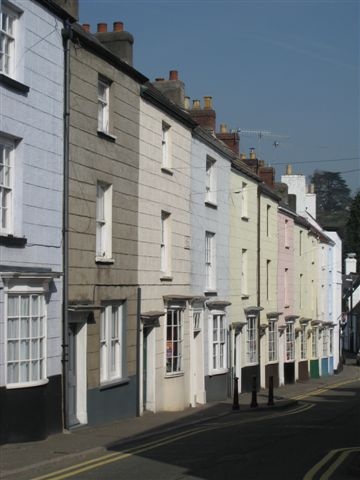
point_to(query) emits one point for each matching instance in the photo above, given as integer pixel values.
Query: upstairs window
(6, 186)
(7, 40)
(244, 272)
(103, 104)
(210, 267)
(244, 200)
(268, 207)
(210, 181)
(103, 221)
(165, 146)
(165, 245)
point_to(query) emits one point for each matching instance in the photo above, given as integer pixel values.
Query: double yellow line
(117, 456)
(343, 454)
(324, 389)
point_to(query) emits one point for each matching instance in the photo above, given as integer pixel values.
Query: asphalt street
(317, 439)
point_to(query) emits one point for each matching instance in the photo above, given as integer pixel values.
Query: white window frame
(286, 287)
(268, 263)
(112, 367)
(210, 181)
(165, 244)
(7, 152)
(103, 222)
(286, 233)
(331, 341)
(210, 261)
(8, 32)
(244, 272)
(165, 146)
(31, 343)
(103, 104)
(314, 343)
(290, 342)
(325, 337)
(218, 343)
(197, 316)
(251, 340)
(174, 337)
(303, 344)
(244, 200)
(273, 341)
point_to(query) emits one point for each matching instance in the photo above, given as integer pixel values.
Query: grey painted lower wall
(217, 387)
(112, 403)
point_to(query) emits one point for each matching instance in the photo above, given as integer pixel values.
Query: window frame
(112, 347)
(210, 181)
(290, 342)
(303, 344)
(103, 222)
(25, 291)
(6, 190)
(103, 121)
(166, 163)
(171, 340)
(10, 39)
(252, 340)
(244, 272)
(165, 244)
(210, 261)
(244, 201)
(325, 345)
(273, 341)
(218, 343)
(314, 343)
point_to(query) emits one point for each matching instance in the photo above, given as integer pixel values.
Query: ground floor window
(218, 342)
(331, 341)
(251, 340)
(303, 345)
(314, 342)
(325, 335)
(26, 339)
(272, 338)
(174, 339)
(290, 342)
(112, 343)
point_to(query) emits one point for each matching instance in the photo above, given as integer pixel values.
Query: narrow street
(317, 439)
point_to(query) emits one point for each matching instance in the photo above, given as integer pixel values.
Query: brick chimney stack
(119, 42)
(173, 89)
(266, 173)
(231, 139)
(205, 117)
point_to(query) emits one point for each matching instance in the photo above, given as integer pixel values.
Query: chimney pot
(252, 153)
(118, 26)
(208, 103)
(196, 105)
(242, 156)
(187, 103)
(288, 169)
(223, 128)
(173, 75)
(86, 27)
(102, 27)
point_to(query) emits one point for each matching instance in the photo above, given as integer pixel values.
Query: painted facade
(31, 188)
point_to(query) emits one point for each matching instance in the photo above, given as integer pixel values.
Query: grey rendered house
(102, 214)
(31, 201)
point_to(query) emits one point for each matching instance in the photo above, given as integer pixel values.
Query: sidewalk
(87, 441)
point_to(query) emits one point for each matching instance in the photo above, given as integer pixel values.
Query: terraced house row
(144, 262)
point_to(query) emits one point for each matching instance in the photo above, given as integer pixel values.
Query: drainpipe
(138, 356)
(67, 35)
(258, 273)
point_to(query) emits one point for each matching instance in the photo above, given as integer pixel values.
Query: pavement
(85, 442)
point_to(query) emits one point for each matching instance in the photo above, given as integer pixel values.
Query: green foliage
(353, 229)
(333, 199)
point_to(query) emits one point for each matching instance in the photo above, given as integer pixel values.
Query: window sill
(167, 170)
(211, 204)
(220, 371)
(106, 136)
(39, 383)
(210, 292)
(166, 278)
(11, 241)
(104, 260)
(13, 84)
(114, 383)
(245, 218)
(174, 374)
(273, 362)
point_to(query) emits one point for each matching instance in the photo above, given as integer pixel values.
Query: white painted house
(31, 191)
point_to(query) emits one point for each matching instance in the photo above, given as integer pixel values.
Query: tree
(333, 199)
(353, 229)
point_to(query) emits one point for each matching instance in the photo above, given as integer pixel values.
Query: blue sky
(289, 67)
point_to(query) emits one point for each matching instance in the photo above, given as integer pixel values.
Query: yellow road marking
(344, 452)
(324, 389)
(114, 457)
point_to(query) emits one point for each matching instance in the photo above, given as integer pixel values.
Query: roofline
(55, 8)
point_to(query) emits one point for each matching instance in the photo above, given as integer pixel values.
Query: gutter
(67, 35)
